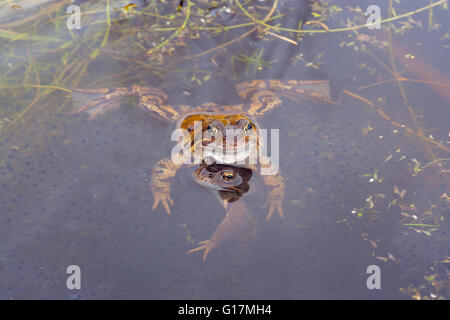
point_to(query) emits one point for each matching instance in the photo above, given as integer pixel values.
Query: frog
(230, 183)
(214, 121)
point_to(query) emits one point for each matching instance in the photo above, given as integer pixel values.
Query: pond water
(367, 178)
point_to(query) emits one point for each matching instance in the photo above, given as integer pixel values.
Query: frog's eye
(144, 98)
(248, 127)
(211, 129)
(228, 175)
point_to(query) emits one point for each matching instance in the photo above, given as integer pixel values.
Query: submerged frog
(230, 183)
(209, 123)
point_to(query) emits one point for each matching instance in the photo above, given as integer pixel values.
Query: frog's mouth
(240, 154)
(235, 154)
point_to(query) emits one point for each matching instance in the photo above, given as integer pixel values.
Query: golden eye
(228, 175)
(144, 98)
(248, 127)
(211, 129)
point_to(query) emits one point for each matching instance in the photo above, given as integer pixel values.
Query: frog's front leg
(151, 100)
(235, 222)
(107, 99)
(259, 96)
(163, 172)
(275, 194)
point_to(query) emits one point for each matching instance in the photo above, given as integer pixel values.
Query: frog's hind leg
(100, 100)
(316, 91)
(162, 174)
(206, 245)
(259, 97)
(275, 194)
(100, 107)
(152, 106)
(153, 101)
(264, 96)
(235, 222)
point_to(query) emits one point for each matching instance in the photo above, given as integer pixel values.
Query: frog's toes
(272, 206)
(206, 245)
(165, 200)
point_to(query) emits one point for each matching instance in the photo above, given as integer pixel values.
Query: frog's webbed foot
(275, 195)
(96, 107)
(206, 245)
(235, 222)
(265, 95)
(162, 173)
(99, 100)
(274, 204)
(165, 199)
(150, 100)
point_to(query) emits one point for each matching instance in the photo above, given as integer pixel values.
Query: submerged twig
(402, 90)
(396, 124)
(402, 79)
(387, 20)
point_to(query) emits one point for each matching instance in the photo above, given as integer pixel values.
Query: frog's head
(231, 182)
(228, 139)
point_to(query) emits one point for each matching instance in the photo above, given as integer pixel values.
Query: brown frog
(209, 123)
(230, 183)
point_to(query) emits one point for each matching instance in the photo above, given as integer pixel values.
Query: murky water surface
(367, 179)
